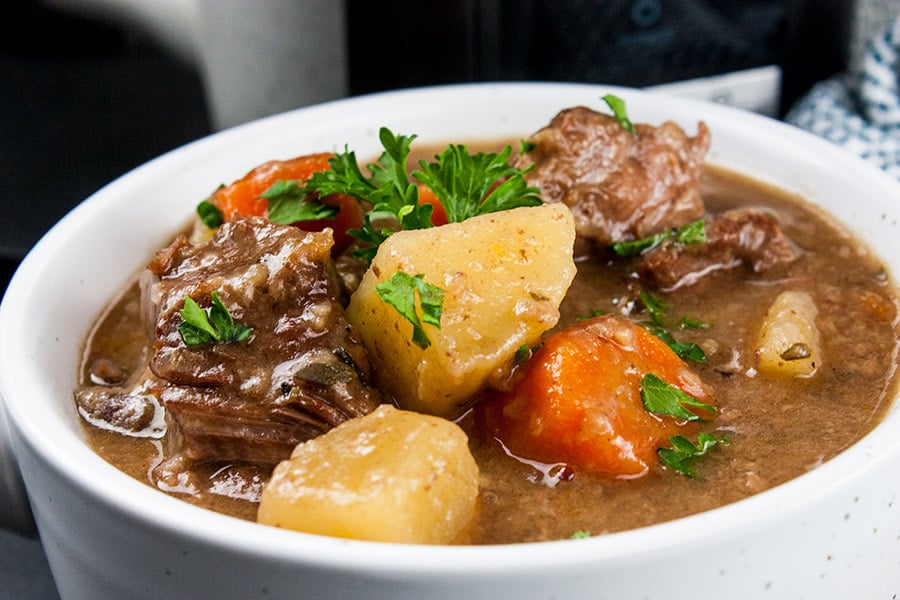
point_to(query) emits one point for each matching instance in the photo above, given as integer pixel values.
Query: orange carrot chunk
(579, 400)
(243, 197)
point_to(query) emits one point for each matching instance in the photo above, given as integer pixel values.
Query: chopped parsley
(681, 456)
(466, 185)
(685, 350)
(617, 105)
(656, 308)
(523, 353)
(475, 184)
(289, 203)
(689, 323)
(581, 534)
(692, 233)
(210, 214)
(665, 399)
(594, 312)
(201, 327)
(400, 292)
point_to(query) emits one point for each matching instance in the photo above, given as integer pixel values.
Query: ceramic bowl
(831, 533)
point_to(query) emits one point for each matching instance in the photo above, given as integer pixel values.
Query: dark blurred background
(86, 96)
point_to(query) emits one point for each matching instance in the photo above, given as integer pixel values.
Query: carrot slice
(579, 400)
(242, 198)
(439, 214)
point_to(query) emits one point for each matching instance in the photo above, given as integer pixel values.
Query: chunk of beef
(132, 411)
(620, 186)
(301, 372)
(747, 236)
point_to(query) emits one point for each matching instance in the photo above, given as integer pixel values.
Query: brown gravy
(777, 428)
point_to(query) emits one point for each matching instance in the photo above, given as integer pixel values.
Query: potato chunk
(503, 275)
(390, 476)
(788, 341)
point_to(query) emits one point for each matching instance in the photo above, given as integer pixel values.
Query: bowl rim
(130, 496)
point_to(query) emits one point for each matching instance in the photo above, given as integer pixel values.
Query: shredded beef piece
(620, 186)
(301, 372)
(749, 236)
(124, 410)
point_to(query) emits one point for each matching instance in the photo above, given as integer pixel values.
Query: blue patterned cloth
(860, 111)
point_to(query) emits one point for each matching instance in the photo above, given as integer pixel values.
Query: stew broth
(776, 428)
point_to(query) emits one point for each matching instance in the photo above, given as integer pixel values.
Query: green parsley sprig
(683, 453)
(401, 291)
(465, 184)
(664, 398)
(201, 327)
(210, 214)
(692, 233)
(290, 203)
(388, 190)
(656, 308)
(617, 105)
(468, 185)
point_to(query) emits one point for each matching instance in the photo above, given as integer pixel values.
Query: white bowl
(832, 533)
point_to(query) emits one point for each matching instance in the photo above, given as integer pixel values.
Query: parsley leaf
(523, 353)
(475, 184)
(685, 350)
(465, 184)
(684, 452)
(201, 327)
(400, 292)
(689, 323)
(581, 534)
(665, 399)
(210, 214)
(290, 203)
(692, 233)
(388, 190)
(617, 105)
(636, 247)
(656, 308)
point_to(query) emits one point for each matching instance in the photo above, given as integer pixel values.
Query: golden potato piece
(788, 341)
(503, 274)
(390, 476)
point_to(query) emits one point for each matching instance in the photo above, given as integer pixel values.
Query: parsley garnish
(689, 323)
(523, 353)
(665, 399)
(692, 233)
(581, 534)
(210, 214)
(685, 350)
(289, 203)
(590, 314)
(388, 190)
(466, 185)
(656, 309)
(202, 327)
(400, 292)
(617, 105)
(475, 184)
(525, 146)
(681, 455)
